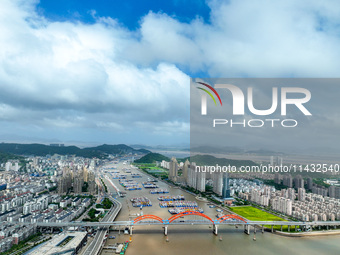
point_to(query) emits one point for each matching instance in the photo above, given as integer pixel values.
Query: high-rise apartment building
(173, 169)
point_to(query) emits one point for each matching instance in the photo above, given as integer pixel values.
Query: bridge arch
(230, 216)
(147, 216)
(186, 213)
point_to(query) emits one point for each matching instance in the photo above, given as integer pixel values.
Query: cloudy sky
(119, 71)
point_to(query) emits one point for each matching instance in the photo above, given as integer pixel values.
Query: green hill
(37, 149)
(200, 160)
(91, 152)
(117, 149)
(145, 151)
(4, 157)
(152, 158)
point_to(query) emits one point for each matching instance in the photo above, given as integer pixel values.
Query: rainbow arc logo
(209, 93)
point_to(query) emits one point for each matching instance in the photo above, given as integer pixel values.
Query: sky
(92, 72)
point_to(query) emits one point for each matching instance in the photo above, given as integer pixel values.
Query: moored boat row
(171, 198)
(159, 191)
(187, 204)
(180, 210)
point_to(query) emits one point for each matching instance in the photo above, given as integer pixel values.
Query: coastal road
(96, 244)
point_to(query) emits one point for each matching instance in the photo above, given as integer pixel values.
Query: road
(96, 244)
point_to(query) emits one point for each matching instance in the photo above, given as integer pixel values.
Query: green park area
(148, 166)
(255, 214)
(152, 169)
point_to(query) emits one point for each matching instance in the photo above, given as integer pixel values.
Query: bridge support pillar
(288, 228)
(166, 230)
(262, 229)
(319, 227)
(215, 229)
(327, 227)
(246, 229)
(130, 230)
(281, 227)
(272, 228)
(254, 229)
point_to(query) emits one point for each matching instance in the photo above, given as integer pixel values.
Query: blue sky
(127, 12)
(91, 72)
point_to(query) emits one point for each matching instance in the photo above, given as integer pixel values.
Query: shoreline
(308, 234)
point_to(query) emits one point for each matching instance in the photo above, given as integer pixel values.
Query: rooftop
(65, 243)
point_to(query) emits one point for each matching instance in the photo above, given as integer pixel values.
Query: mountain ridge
(37, 149)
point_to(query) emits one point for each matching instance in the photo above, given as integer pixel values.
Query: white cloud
(248, 38)
(62, 70)
(104, 76)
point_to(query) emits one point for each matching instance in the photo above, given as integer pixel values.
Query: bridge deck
(184, 222)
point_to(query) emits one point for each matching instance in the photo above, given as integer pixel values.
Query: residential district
(68, 188)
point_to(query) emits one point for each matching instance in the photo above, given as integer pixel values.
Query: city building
(309, 183)
(298, 182)
(185, 170)
(277, 178)
(78, 183)
(288, 180)
(173, 169)
(68, 243)
(226, 189)
(334, 191)
(217, 179)
(301, 194)
(200, 183)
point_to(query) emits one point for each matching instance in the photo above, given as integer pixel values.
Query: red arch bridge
(196, 218)
(148, 218)
(177, 219)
